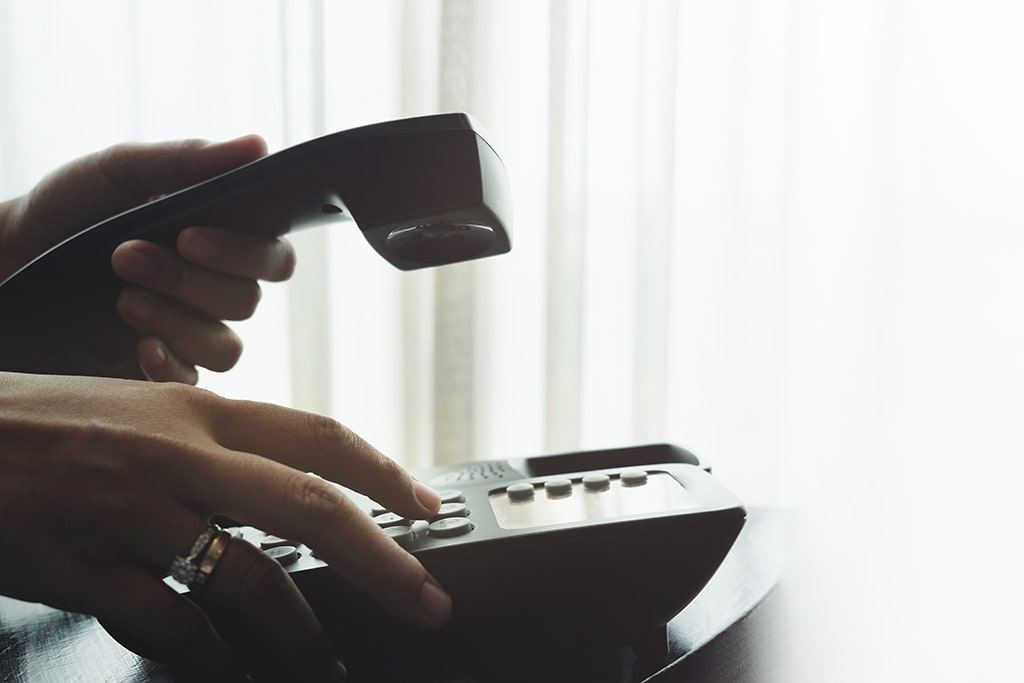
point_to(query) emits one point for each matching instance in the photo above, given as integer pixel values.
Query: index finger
(233, 253)
(322, 445)
(290, 503)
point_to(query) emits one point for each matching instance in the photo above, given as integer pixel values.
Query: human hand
(182, 294)
(104, 481)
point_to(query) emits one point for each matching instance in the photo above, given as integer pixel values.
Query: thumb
(116, 179)
(137, 172)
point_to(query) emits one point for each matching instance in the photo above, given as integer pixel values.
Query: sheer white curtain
(786, 234)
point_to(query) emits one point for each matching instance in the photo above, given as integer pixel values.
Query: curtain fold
(566, 218)
(455, 288)
(304, 87)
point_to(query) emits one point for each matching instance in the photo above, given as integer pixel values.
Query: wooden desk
(726, 634)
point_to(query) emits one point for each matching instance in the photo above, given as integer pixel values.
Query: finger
(121, 177)
(161, 269)
(149, 618)
(194, 340)
(256, 590)
(252, 592)
(236, 254)
(138, 171)
(314, 443)
(95, 187)
(159, 364)
(318, 513)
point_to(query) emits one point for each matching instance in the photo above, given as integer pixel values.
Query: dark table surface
(728, 633)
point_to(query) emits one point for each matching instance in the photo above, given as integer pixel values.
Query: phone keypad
(450, 521)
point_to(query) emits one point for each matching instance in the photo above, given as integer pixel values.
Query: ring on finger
(184, 568)
(206, 564)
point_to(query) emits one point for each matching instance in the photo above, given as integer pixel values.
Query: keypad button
(452, 496)
(633, 478)
(520, 491)
(268, 542)
(285, 554)
(596, 482)
(450, 527)
(389, 519)
(377, 510)
(402, 535)
(558, 487)
(451, 510)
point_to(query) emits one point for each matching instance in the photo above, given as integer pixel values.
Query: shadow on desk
(728, 634)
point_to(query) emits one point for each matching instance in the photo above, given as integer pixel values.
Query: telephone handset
(543, 556)
(424, 191)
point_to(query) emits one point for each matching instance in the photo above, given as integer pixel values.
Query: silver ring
(184, 568)
(206, 565)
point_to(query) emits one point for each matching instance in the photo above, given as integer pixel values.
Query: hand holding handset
(542, 556)
(424, 191)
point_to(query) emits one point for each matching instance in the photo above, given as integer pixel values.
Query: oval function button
(596, 482)
(378, 510)
(390, 519)
(633, 478)
(402, 534)
(452, 496)
(285, 554)
(558, 487)
(451, 510)
(449, 527)
(520, 491)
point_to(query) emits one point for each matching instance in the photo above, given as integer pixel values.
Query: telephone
(543, 556)
(424, 191)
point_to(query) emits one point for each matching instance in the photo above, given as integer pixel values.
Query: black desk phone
(543, 556)
(424, 191)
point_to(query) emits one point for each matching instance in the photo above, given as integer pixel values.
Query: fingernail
(138, 264)
(198, 245)
(140, 307)
(435, 604)
(426, 496)
(338, 672)
(159, 355)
